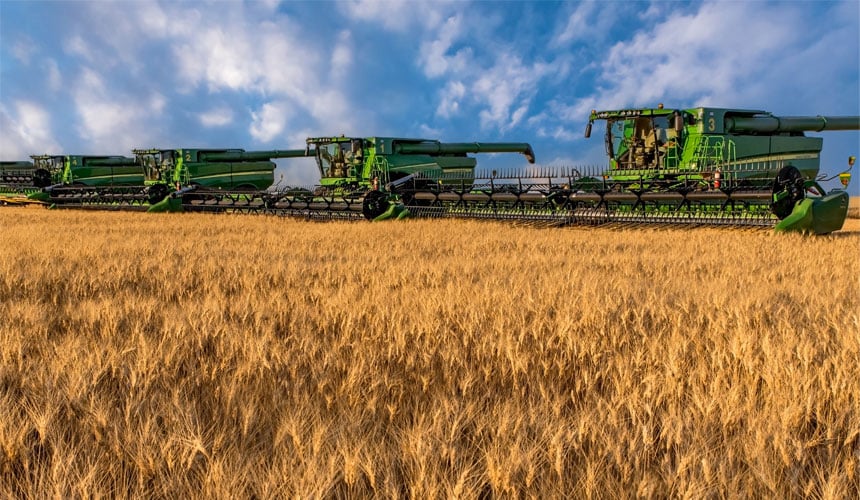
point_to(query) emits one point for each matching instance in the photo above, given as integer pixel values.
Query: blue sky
(106, 77)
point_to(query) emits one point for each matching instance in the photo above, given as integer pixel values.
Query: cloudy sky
(105, 77)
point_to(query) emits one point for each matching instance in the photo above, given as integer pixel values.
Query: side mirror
(679, 122)
(588, 130)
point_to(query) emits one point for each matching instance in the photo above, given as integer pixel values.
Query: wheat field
(227, 356)
(854, 207)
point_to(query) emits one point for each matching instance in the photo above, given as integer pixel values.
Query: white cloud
(446, 51)
(76, 45)
(399, 16)
(150, 19)
(217, 117)
(709, 54)
(252, 52)
(576, 112)
(23, 50)
(428, 131)
(434, 56)
(558, 133)
(269, 121)
(157, 103)
(502, 90)
(590, 23)
(505, 85)
(115, 33)
(259, 56)
(579, 25)
(220, 58)
(26, 131)
(518, 115)
(53, 76)
(100, 116)
(561, 161)
(283, 64)
(342, 55)
(110, 121)
(330, 108)
(450, 97)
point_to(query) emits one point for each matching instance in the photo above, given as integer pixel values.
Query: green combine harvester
(172, 173)
(697, 166)
(359, 178)
(80, 180)
(701, 166)
(145, 181)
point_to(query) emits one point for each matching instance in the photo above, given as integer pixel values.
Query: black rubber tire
(41, 178)
(375, 204)
(788, 180)
(156, 193)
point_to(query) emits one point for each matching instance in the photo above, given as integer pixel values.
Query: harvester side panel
(232, 175)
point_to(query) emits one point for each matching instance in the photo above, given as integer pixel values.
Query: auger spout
(769, 124)
(109, 161)
(443, 148)
(242, 155)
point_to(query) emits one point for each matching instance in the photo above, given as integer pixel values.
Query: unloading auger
(701, 166)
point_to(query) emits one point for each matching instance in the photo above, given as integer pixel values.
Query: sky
(100, 77)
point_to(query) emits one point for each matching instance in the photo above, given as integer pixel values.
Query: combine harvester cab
(207, 179)
(724, 166)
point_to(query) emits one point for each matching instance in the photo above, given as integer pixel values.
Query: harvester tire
(156, 193)
(41, 178)
(375, 204)
(790, 181)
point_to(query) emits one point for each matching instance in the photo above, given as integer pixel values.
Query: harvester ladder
(730, 161)
(708, 152)
(380, 168)
(712, 151)
(673, 157)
